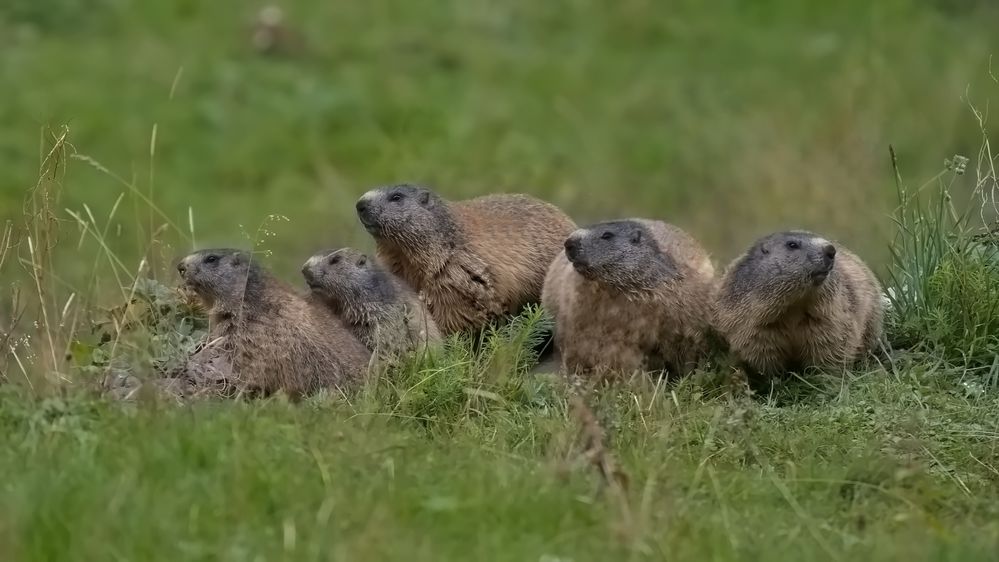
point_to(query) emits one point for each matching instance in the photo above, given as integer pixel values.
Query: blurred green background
(730, 118)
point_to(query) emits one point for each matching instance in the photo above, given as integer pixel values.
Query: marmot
(381, 310)
(630, 295)
(473, 261)
(794, 301)
(276, 339)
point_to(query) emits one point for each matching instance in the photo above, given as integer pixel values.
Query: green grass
(943, 282)
(889, 467)
(731, 119)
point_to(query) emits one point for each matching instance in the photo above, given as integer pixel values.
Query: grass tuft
(943, 283)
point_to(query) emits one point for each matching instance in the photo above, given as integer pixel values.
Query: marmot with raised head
(275, 338)
(473, 261)
(794, 300)
(630, 295)
(381, 310)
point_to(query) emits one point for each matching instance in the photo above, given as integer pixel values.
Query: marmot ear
(636, 236)
(424, 197)
(362, 260)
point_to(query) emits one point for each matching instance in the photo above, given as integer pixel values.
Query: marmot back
(795, 300)
(473, 261)
(630, 295)
(275, 339)
(383, 312)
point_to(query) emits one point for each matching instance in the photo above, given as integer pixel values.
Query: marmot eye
(607, 236)
(211, 258)
(395, 197)
(793, 245)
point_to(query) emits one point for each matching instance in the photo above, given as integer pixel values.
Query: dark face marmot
(408, 215)
(474, 262)
(381, 309)
(630, 295)
(350, 282)
(795, 300)
(621, 254)
(789, 266)
(221, 277)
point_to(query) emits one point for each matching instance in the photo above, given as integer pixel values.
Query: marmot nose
(362, 206)
(572, 248)
(181, 268)
(828, 257)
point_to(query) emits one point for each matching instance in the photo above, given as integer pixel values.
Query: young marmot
(275, 339)
(794, 300)
(381, 310)
(473, 261)
(630, 295)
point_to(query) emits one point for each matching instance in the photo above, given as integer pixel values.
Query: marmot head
(406, 214)
(345, 276)
(220, 277)
(787, 265)
(620, 254)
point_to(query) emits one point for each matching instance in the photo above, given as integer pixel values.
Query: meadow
(134, 132)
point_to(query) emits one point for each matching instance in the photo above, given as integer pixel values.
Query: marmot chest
(806, 336)
(461, 301)
(614, 318)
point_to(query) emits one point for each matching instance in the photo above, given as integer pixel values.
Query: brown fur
(206, 372)
(778, 312)
(273, 338)
(381, 310)
(473, 261)
(637, 301)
